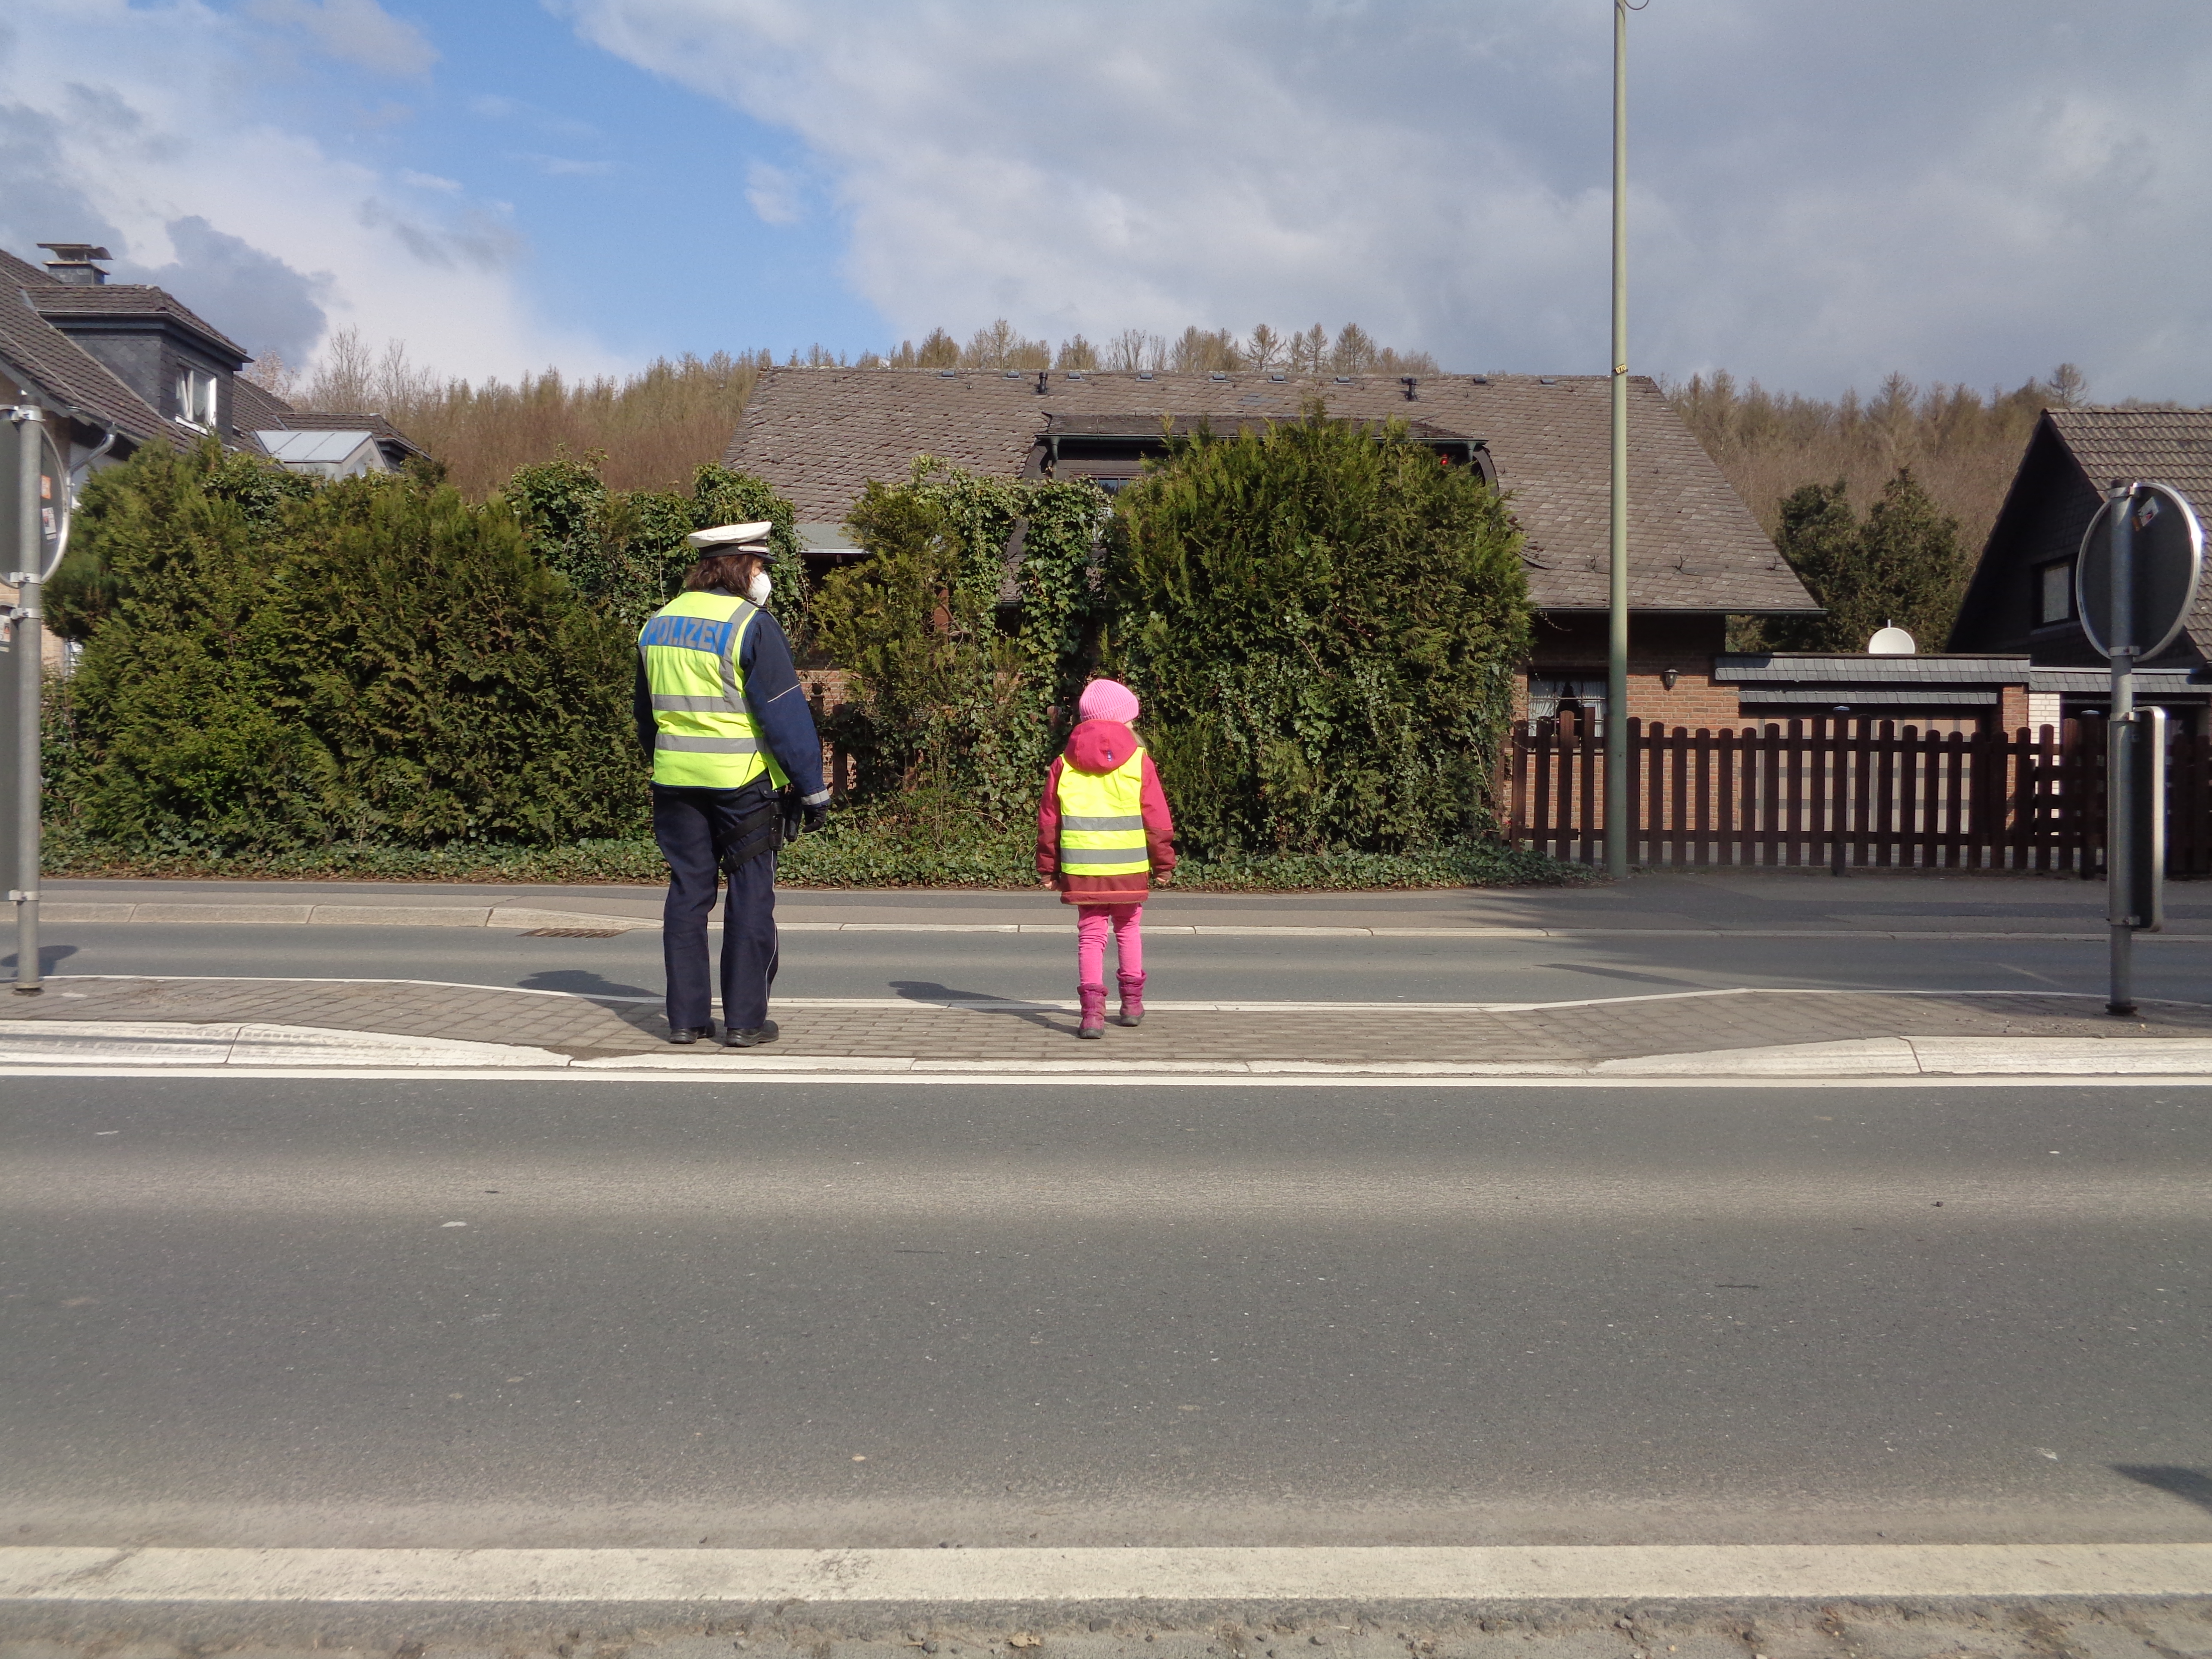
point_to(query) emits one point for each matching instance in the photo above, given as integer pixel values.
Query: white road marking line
(740, 1072)
(1658, 1572)
(61, 981)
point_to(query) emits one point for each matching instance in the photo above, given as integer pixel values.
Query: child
(1103, 832)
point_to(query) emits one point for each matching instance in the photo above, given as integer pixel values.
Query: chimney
(73, 262)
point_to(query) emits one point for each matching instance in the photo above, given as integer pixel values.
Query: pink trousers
(1090, 922)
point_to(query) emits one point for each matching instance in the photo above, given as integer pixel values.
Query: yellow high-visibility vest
(1101, 821)
(705, 738)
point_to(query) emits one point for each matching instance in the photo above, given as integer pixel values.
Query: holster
(761, 830)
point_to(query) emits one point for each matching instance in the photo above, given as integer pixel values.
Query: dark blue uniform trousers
(699, 831)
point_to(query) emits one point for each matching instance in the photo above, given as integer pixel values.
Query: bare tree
(1309, 352)
(274, 375)
(344, 378)
(938, 350)
(2069, 387)
(1132, 350)
(1354, 352)
(1078, 353)
(1265, 348)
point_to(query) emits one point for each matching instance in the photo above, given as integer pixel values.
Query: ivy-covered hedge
(955, 652)
(625, 549)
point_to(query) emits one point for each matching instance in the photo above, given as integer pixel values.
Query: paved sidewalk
(1743, 903)
(1866, 1031)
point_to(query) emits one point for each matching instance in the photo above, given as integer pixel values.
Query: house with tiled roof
(2021, 598)
(1697, 555)
(132, 361)
(118, 365)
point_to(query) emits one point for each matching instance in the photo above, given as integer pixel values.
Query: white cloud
(356, 31)
(563, 167)
(135, 122)
(1820, 193)
(428, 181)
(773, 194)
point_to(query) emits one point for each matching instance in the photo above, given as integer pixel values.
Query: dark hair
(731, 572)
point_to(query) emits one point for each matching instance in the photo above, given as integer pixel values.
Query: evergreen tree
(1901, 565)
(275, 663)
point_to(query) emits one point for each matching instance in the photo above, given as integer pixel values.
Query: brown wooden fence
(1848, 794)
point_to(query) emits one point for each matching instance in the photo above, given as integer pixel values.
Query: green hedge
(273, 669)
(1324, 622)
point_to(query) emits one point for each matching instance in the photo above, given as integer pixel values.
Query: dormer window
(195, 398)
(2054, 594)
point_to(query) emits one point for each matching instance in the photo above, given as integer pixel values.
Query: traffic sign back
(2168, 559)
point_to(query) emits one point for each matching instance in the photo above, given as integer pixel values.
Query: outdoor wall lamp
(1668, 676)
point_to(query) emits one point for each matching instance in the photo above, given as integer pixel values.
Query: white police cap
(729, 534)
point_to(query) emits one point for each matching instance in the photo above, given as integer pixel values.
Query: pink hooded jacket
(1099, 746)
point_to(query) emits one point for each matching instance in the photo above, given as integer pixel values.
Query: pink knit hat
(1108, 700)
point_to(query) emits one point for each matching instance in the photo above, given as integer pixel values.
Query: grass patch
(853, 852)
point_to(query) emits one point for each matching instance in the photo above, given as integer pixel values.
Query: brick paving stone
(586, 1028)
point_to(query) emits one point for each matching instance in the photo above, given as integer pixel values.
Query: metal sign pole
(2119, 757)
(1617, 827)
(26, 647)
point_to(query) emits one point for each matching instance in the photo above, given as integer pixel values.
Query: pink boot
(1133, 1000)
(1094, 1011)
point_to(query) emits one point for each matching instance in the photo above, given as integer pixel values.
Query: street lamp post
(1616, 645)
(28, 541)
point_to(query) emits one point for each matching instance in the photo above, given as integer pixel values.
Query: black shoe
(766, 1031)
(689, 1033)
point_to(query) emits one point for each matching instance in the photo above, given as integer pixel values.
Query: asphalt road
(992, 965)
(311, 1312)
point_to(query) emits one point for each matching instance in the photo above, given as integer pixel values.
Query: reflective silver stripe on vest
(675, 703)
(708, 745)
(1130, 820)
(1074, 855)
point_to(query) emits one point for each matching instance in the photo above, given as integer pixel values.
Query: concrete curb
(47, 1045)
(1127, 1575)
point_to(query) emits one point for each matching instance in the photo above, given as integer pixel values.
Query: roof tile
(820, 435)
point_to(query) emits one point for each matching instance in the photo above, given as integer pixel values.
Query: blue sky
(1970, 192)
(628, 190)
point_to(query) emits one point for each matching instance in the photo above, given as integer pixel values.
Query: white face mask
(761, 587)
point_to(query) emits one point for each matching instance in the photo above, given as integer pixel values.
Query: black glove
(793, 812)
(817, 815)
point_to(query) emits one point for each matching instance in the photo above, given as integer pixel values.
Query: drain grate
(574, 933)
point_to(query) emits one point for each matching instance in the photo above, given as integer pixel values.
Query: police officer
(736, 768)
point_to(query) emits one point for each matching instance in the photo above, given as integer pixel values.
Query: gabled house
(118, 365)
(2021, 598)
(1697, 554)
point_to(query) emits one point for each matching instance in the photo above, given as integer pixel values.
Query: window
(196, 397)
(1551, 696)
(2054, 593)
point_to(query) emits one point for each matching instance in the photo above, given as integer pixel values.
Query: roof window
(1219, 374)
(1011, 374)
(1278, 376)
(948, 373)
(1547, 379)
(1344, 380)
(196, 398)
(1072, 374)
(1478, 380)
(1144, 373)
